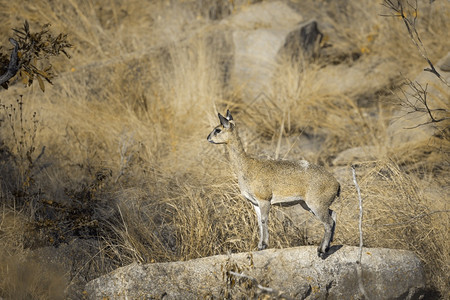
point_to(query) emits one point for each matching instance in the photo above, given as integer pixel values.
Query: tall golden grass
(124, 128)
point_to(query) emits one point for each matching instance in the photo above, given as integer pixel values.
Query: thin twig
(359, 261)
(417, 101)
(14, 64)
(399, 11)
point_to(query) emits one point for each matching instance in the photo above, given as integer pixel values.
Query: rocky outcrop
(260, 34)
(291, 273)
(356, 154)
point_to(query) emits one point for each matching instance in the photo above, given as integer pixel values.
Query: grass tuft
(117, 150)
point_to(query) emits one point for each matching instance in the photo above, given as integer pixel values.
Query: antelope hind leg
(334, 218)
(262, 212)
(327, 217)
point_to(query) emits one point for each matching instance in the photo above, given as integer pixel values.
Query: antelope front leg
(262, 212)
(329, 222)
(328, 218)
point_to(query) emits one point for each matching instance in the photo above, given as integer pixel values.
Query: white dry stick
(359, 261)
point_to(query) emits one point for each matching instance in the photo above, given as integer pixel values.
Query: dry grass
(124, 127)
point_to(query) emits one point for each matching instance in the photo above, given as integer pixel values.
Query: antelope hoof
(322, 254)
(262, 246)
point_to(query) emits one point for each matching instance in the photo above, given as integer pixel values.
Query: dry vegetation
(116, 149)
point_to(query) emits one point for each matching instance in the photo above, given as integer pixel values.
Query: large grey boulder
(291, 273)
(356, 155)
(261, 33)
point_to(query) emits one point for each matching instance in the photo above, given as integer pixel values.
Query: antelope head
(221, 134)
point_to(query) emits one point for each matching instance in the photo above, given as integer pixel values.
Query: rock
(293, 272)
(275, 15)
(306, 38)
(409, 126)
(261, 33)
(356, 155)
(444, 63)
(341, 78)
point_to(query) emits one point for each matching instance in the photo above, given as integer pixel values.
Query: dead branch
(13, 66)
(417, 101)
(398, 10)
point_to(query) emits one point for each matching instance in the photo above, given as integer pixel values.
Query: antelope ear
(224, 121)
(229, 117)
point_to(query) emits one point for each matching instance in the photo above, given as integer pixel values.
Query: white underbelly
(285, 200)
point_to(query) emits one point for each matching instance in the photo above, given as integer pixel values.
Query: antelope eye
(217, 130)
